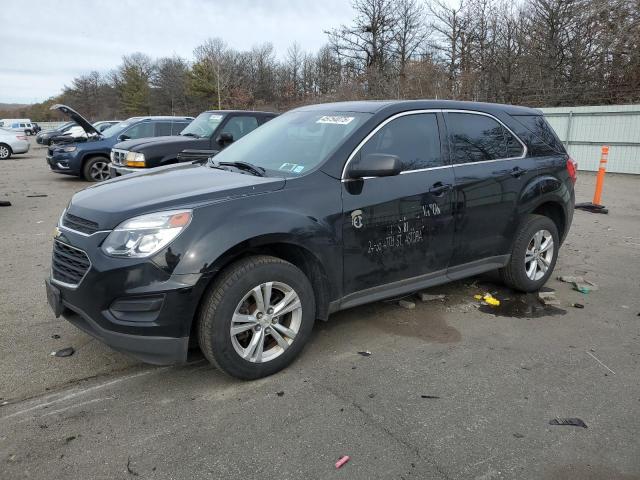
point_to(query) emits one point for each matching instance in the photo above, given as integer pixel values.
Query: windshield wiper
(249, 167)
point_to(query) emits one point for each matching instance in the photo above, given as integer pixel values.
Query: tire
(96, 169)
(232, 297)
(524, 272)
(5, 151)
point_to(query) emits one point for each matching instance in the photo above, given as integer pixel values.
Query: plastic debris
(342, 460)
(548, 298)
(37, 195)
(280, 394)
(366, 353)
(518, 435)
(428, 297)
(578, 305)
(573, 422)
(488, 299)
(408, 304)
(372, 395)
(5, 203)
(579, 283)
(55, 336)
(429, 396)
(65, 352)
(591, 207)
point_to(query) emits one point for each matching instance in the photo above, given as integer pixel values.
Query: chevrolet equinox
(323, 208)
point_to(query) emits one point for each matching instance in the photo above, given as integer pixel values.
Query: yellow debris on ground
(488, 299)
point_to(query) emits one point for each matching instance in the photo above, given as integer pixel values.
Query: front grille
(117, 156)
(78, 224)
(68, 264)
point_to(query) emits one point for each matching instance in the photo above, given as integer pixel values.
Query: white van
(23, 125)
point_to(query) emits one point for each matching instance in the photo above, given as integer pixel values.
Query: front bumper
(62, 163)
(131, 305)
(118, 170)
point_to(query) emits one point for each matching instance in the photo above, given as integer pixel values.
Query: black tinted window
(476, 138)
(541, 138)
(240, 126)
(413, 138)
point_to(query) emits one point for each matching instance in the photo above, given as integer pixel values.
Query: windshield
(118, 128)
(204, 125)
(294, 143)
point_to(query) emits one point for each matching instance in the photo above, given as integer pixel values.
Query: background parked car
(23, 125)
(212, 130)
(36, 128)
(76, 131)
(44, 137)
(12, 142)
(90, 158)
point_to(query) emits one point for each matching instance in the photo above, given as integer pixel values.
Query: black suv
(211, 131)
(323, 208)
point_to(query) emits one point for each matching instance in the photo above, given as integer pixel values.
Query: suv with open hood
(89, 157)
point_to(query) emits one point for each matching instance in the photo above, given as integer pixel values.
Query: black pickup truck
(211, 130)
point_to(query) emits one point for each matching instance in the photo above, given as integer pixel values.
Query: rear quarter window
(539, 136)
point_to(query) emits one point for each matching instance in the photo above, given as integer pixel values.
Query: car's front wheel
(5, 151)
(534, 254)
(257, 317)
(96, 169)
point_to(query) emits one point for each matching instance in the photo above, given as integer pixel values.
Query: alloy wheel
(4, 152)
(99, 171)
(266, 321)
(539, 255)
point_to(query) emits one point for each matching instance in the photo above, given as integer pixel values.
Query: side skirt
(413, 284)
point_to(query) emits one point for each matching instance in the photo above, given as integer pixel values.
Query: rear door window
(415, 139)
(478, 138)
(163, 129)
(177, 127)
(141, 130)
(239, 126)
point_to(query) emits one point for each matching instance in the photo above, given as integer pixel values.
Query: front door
(401, 227)
(490, 175)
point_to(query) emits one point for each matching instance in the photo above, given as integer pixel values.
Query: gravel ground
(499, 375)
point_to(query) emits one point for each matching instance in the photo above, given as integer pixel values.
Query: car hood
(76, 117)
(138, 144)
(175, 186)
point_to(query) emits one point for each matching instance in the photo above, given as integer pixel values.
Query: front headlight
(145, 235)
(70, 148)
(134, 159)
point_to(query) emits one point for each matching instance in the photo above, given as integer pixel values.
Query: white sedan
(12, 142)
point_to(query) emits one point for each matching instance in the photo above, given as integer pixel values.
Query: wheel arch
(8, 146)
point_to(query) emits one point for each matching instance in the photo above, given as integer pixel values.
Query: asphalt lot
(499, 378)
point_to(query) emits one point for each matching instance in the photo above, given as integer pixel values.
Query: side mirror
(374, 165)
(122, 137)
(224, 139)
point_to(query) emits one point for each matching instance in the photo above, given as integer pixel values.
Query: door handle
(517, 172)
(439, 188)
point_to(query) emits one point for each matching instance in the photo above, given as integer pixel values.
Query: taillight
(572, 168)
(21, 137)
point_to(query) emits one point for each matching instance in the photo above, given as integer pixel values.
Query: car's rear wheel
(257, 317)
(96, 169)
(5, 151)
(534, 254)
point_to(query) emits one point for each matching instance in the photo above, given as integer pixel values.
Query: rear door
(401, 227)
(490, 173)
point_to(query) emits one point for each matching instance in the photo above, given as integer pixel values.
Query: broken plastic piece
(65, 352)
(409, 305)
(591, 207)
(578, 305)
(342, 460)
(5, 203)
(573, 422)
(427, 297)
(366, 353)
(488, 299)
(280, 394)
(429, 396)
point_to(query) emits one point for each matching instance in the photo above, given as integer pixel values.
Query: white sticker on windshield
(298, 169)
(215, 118)
(288, 167)
(336, 120)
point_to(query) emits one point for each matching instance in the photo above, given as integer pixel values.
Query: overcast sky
(44, 44)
